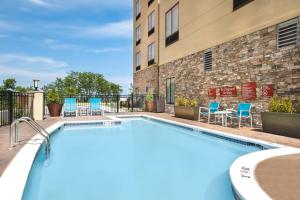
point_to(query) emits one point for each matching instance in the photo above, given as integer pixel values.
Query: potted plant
(282, 118)
(54, 106)
(150, 101)
(186, 108)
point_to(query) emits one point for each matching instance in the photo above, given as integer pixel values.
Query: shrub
(149, 96)
(53, 96)
(282, 105)
(186, 102)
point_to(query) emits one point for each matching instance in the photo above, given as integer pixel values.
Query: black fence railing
(14, 105)
(109, 103)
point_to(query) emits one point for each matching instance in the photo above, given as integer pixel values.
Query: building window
(150, 2)
(138, 9)
(240, 3)
(207, 60)
(151, 23)
(170, 91)
(138, 61)
(151, 54)
(138, 35)
(288, 33)
(172, 25)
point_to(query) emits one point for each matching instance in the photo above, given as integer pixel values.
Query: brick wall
(146, 78)
(251, 58)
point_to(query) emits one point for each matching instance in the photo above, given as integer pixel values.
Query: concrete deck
(280, 177)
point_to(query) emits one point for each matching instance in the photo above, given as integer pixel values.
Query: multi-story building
(146, 42)
(228, 50)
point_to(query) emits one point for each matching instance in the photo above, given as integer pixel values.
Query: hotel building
(225, 50)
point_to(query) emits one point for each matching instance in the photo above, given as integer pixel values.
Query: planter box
(187, 112)
(284, 124)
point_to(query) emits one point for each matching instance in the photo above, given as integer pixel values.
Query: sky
(45, 39)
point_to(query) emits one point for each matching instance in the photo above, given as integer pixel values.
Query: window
(240, 3)
(138, 35)
(207, 60)
(138, 61)
(151, 54)
(150, 2)
(172, 25)
(151, 23)
(138, 9)
(288, 33)
(170, 91)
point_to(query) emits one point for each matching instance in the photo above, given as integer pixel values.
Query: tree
(9, 83)
(83, 83)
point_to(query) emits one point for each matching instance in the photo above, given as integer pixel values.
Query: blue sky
(45, 39)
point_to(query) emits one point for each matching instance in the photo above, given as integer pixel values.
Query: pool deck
(279, 176)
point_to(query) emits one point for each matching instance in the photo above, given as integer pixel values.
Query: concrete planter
(186, 112)
(284, 124)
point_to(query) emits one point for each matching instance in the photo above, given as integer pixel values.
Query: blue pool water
(139, 159)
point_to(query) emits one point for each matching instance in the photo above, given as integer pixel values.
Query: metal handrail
(36, 127)
(46, 134)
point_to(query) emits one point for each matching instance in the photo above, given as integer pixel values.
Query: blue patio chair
(243, 111)
(70, 106)
(95, 106)
(213, 108)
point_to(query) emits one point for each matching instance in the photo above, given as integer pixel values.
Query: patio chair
(243, 111)
(213, 108)
(95, 106)
(70, 106)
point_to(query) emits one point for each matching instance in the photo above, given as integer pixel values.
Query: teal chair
(70, 106)
(213, 108)
(243, 112)
(95, 106)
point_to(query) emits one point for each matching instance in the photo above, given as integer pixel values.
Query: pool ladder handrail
(35, 126)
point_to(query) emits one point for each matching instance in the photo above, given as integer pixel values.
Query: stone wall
(146, 79)
(251, 58)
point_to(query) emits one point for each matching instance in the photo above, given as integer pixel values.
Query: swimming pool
(137, 159)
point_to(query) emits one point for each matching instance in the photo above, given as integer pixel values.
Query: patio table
(222, 114)
(83, 110)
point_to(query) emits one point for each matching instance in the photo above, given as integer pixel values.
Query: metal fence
(109, 103)
(14, 105)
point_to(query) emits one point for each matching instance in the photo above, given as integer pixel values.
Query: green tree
(9, 83)
(83, 83)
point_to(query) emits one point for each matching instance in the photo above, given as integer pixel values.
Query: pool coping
(14, 178)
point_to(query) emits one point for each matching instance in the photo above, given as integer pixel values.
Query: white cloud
(68, 4)
(40, 3)
(53, 44)
(26, 76)
(3, 36)
(56, 45)
(25, 68)
(104, 50)
(32, 62)
(115, 29)
(119, 29)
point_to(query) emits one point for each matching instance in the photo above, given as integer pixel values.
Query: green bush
(282, 105)
(186, 102)
(53, 96)
(149, 97)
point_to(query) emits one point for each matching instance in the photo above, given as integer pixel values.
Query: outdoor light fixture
(36, 84)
